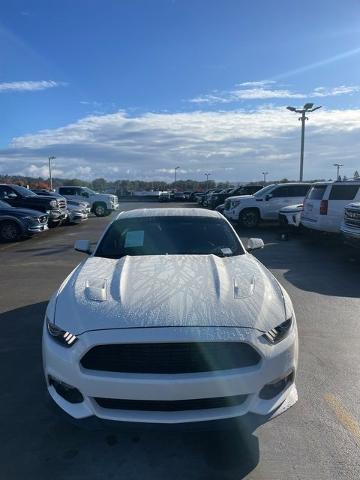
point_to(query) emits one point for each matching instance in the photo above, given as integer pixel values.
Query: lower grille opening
(171, 406)
(170, 358)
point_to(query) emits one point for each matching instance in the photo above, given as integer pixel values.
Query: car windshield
(169, 235)
(264, 191)
(24, 192)
(89, 191)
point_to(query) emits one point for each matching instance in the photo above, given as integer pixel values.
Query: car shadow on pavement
(320, 264)
(37, 444)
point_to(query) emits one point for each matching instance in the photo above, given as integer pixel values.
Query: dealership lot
(318, 438)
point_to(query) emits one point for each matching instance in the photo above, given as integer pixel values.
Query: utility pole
(207, 175)
(308, 107)
(50, 175)
(338, 165)
(265, 173)
(175, 170)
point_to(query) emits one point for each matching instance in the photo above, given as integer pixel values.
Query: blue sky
(131, 88)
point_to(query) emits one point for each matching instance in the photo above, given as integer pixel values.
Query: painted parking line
(344, 416)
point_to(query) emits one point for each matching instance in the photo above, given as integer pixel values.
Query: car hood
(241, 197)
(169, 291)
(292, 208)
(20, 212)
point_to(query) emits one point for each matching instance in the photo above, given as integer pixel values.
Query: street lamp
(207, 175)
(50, 176)
(308, 107)
(175, 169)
(265, 173)
(338, 165)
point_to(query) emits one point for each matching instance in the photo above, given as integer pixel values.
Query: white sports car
(170, 320)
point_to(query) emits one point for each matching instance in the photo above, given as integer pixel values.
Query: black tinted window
(343, 192)
(281, 192)
(169, 236)
(317, 192)
(298, 190)
(67, 191)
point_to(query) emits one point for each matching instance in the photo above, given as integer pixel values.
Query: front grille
(62, 203)
(170, 358)
(171, 406)
(352, 218)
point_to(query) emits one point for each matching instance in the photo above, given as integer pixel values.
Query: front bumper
(291, 219)
(37, 228)
(276, 362)
(114, 206)
(351, 235)
(57, 215)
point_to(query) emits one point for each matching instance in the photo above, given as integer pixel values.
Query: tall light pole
(207, 175)
(338, 165)
(175, 170)
(308, 107)
(265, 173)
(50, 175)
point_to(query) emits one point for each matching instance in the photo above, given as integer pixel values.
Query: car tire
(249, 218)
(100, 209)
(9, 231)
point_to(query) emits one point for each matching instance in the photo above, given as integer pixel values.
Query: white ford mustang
(170, 320)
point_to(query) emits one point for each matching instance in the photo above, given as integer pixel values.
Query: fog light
(69, 393)
(271, 390)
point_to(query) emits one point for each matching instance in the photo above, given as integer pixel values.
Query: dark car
(219, 198)
(22, 197)
(20, 222)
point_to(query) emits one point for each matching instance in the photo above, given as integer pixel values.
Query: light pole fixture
(175, 170)
(207, 175)
(308, 107)
(338, 165)
(265, 173)
(50, 175)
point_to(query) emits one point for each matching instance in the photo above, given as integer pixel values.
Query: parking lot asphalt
(319, 438)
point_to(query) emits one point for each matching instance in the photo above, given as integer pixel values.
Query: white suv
(101, 203)
(265, 204)
(350, 227)
(325, 203)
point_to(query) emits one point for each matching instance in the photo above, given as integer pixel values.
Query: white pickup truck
(102, 204)
(265, 204)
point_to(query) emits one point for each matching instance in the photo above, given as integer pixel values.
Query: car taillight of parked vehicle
(323, 207)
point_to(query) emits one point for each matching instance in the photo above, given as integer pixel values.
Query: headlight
(53, 203)
(66, 339)
(275, 335)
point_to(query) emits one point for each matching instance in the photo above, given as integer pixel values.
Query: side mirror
(268, 196)
(254, 244)
(83, 246)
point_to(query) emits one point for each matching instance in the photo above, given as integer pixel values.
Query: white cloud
(233, 145)
(29, 86)
(260, 91)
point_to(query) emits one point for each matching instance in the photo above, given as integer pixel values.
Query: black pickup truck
(22, 197)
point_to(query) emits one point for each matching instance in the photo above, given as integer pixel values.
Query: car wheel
(249, 218)
(100, 210)
(9, 231)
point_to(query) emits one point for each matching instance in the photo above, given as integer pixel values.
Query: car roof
(338, 182)
(169, 212)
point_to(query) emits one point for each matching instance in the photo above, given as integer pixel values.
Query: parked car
(102, 204)
(170, 320)
(20, 222)
(350, 227)
(24, 198)
(220, 208)
(164, 196)
(265, 204)
(325, 203)
(77, 211)
(187, 195)
(219, 198)
(178, 196)
(290, 216)
(205, 199)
